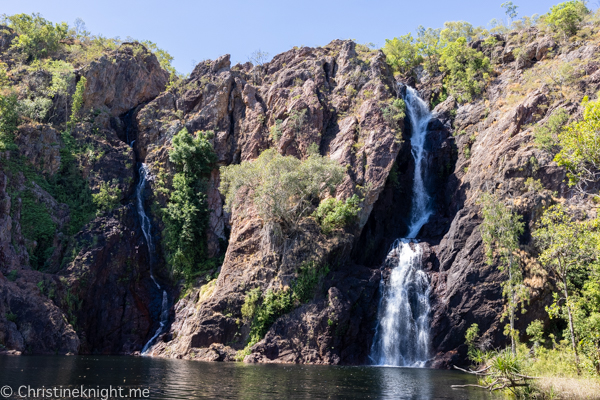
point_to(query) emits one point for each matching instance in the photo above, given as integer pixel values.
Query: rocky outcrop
(123, 79)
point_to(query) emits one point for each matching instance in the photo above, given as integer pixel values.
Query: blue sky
(197, 30)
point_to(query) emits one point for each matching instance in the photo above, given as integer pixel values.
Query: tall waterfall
(402, 334)
(146, 225)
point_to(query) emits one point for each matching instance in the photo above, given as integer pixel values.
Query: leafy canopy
(37, 37)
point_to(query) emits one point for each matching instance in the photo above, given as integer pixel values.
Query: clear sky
(195, 30)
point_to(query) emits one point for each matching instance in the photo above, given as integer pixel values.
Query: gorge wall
(93, 293)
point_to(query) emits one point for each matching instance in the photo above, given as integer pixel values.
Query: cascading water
(146, 225)
(402, 334)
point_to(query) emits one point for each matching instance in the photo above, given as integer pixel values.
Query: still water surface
(179, 379)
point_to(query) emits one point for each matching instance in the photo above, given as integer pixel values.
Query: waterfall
(402, 333)
(146, 226)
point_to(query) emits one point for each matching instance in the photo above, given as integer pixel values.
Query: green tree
(566, 17)
(282, 188)
(36, 36)
(186, 214)
(108, 197)
(580, 147)
(9, 119)
(466, 69)
(77, 99)
(565, 250)
(429, 45)
(402, 53)
(546, 136)
(510, 9)
(500, 232)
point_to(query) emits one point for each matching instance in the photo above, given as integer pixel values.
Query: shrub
(37, 37)
(36, 109)
(333, 213)
(566, 17)
(37, 226)
(78, 99)
(394, 112)
(546, 136)
(9, 119)
(276, 130)
(282, 188)
(580, 147)
(466, 70)
(108, 197)
(274, 304)
(309, 276)
(186, 214)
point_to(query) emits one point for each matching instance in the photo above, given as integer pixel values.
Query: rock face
(96, 295)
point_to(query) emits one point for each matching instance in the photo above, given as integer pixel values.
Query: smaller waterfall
(402, 334)
(146, 226)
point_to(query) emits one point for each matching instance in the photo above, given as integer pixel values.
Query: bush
(309, 276)
(566, 17)
(36, 109)
(282, 188)
(333, 213)
(394, 113)
(402, 53)
(580, 147)
(108, 197)
(274, 305)
(546, 136)
(78, 99)
(37, 37)
(276, 131)
(466, 70)
(186, 214)
(37, 226)
(9, 119)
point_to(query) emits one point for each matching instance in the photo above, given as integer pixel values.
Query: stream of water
(146, 227)
(402, 334)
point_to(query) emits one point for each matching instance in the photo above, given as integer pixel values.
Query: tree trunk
(513, 346)
(571, 324)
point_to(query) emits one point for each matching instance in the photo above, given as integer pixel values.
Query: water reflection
(178, 379)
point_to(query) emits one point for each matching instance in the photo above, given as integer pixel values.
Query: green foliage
(78, 99)
(37, 226)
(9, 119)
(536, 331)
(262, 311)
(164, 58)
(454, 30)
(69, 187)
(394, 112)
(186, 214)
(429, 46)
(566, 17)
(298, 119)
(466, 69)
(274, 304)
(11, 317)
(510, 9)
(309, 276)
(108, 197)
(580, 147)
(402, 53)
(500, 232)
(37, 37)
(471, 336)
(282, 188)
(276, 130)
(546, 136)
(36, 109)
(334, 214)
(12, 275)
(568, 248)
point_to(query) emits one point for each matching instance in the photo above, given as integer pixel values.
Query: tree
(565, 17)
(37, 37)
(510, 9)
(565, 249)
(429, 46)
(402, 53)
(259, 57)
(500, 232)
(282, 188)
(466, 69)
(186, 214)
(580, 147)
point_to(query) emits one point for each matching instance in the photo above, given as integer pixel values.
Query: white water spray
(146, 225)
(402, 334)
